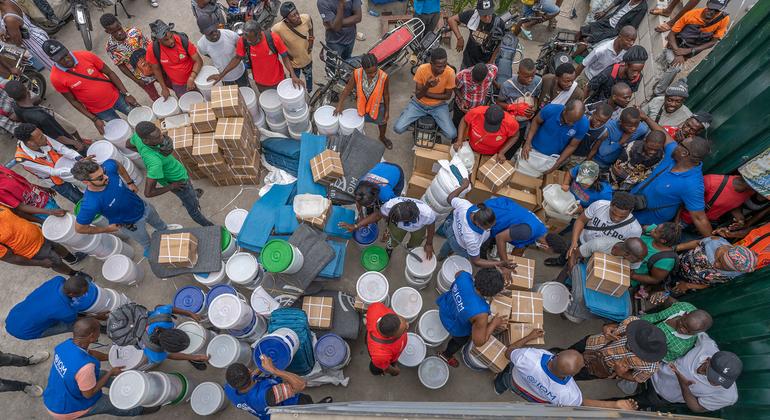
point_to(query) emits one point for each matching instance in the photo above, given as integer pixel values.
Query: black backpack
(156, 47)
(127, 325)
(247, 47)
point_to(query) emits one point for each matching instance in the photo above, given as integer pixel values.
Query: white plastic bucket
(234, 220)
(406, 302)
(202, 82)
(471, 361)
(280, 127)
(224, 350)
(121, 269)
(189, 99)
(419, 274)
(163, 108)
(556, 297)
(350, 121)
(271, 105)
(267, 345)
(252, 333)
(291, 98)
(199, 337)
(231, 249)
(129, 358)
(172, 386)
(326, 122)
(62, 230)
(67, 164)
(372, 287)
(103, 150)
(230, 312)
(139, 114)
(449, 269)
(103, 302)
(431, 329)
(118, 132)
(212, 279)
(109, 245)
(136, 159)
(175, 121)
(250, 99)
(299, 122)
(433, 372)
(414, 352)
(244, 270)
(298, 136)
(262, 303)
(123, 249)
(259, 119)
(207, 399)
(133, 389)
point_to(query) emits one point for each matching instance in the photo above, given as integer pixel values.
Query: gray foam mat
(209, 252)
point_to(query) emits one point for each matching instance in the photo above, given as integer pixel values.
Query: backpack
(127, 325)
(247, 47)
(156, 47)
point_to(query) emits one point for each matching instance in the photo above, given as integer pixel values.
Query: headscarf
(740, 259)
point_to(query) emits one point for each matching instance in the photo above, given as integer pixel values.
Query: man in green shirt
(680, 322)
(165, 170)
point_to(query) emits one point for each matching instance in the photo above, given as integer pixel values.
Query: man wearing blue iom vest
(75, 382)
(514, 225)
(464, 310)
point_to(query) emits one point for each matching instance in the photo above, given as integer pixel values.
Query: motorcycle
(16, 60)
(83, 16)
(238, 12)
(51, 21)
(557, 51)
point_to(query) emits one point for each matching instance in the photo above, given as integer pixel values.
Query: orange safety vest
(371, 105)
(22, 156)
(758, 240)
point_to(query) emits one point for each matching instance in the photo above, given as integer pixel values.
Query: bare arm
(580, 223)
(101, 383)
(655, 276)
(454, 25)
(123, 67)
(462, 133)
(295, 382)
(344, 95)
(79, 106)
(701, 222)
(482, 329)
(456, 193)
(386, 98)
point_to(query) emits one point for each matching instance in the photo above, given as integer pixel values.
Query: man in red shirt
(27, 200)
(489, 129)
(721, 199)
(385, 339)
(267, 61)
(179, 59)
(88, 84)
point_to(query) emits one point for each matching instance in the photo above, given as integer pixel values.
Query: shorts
(380, 117)
(548, 7)
(47, 252)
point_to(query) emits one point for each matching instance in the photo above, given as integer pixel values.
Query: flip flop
(659, 12)
(452, 361)
(388, 144)
(663, 27)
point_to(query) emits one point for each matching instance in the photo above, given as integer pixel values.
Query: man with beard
(670, 110)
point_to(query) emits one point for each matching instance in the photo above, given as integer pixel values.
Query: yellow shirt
(446, 80)
(294, 43)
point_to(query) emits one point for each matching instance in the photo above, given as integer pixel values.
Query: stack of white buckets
(344, 124)
(286, 110)
(133, 388)
(101, 245)
(443, 184)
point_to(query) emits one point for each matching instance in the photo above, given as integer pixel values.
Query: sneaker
(451, 361)
(628, 387)
(33, 390)
(199, 192)
(555, 262)
(73, 259)
(174, 226)
(38, 357)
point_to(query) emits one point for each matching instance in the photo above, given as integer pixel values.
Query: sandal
(663, 27)
(452, 361)
(388, 144)
(659, 12)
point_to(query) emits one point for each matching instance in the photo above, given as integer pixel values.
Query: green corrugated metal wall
(733, 83)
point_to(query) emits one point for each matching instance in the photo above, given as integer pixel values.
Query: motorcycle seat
(391, 45)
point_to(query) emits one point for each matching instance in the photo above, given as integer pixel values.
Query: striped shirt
(615, 351)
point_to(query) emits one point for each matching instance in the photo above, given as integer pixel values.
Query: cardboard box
(178, 250)
(492, 353)
(246, 180)
(194, 172)
(426, 160)
(523, 277)
(319, 311)
(223, 180)
(226, 101)
(516, 331)
(183, 140)
(555, 177)
(608, 274)
(528, 200)
(326, 167)
(217, 169)
(493, 174)
(359, 305)
(478, 193)
(501, 306)
(519, 181)
(417, 185)
(526, 307)
(202, 118)
(235, 136)
(251, 168)
(205, 150)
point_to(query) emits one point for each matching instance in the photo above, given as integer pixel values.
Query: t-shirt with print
(387, 176)
(598, 215)
(484, 142)
(553, 136)
(95, 95)
(531, 376)
(328, 11)
(295, 44)
(22, 237)
(666, 264)
(513, 90)
(222, 52)
(163, 169)
(588, 196)
(120, 51)
(426, 217)
(177, 63)
(467, 234)
(477, 49)
(116, 202)
(16, 190)
(86, 380)
(446, 81)
(266, 67)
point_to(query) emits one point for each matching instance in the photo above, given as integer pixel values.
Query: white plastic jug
(465, 154)
(559, 200)
(308, 206)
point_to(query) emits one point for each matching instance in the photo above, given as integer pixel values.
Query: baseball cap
(703, 117)
(286, 8)
(724, 369)
(207, 23)
(485, 7)
(159, 28)
(678, 88)
(588, 173)
(55, 49)
(493, 118)
(717, 4)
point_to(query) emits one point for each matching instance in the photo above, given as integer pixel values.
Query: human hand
(610, 331)
(525, 148)
(628, 404)
(99, 124)
(195, 317)
(111, 228)
(564, 187)
(432, 82)
(299, 84)
(102, 316)
(500, 157)
(190, 83)
(658, 297)
(680, 288)
(176, 186)
(457, 145)
(165, 93)
(529, 112)
(428, 251)
(201, 357)
(460, 44)
(131, 100)
(394, 371)
(496, 321)
(678, 60)
(267, 363)
(536, 333)
(214, 78)
(115, 371)
(58, 212)
(347, 226)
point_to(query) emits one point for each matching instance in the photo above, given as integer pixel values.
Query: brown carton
(608, 274)
(178, 250)
(492, 353)
(555, 177)
(319, 311)
(205, 150)
(426, 160)
(501, 306)
(523, 276)
(326, 167)
(526, 307)
(493, 174)
(235, 136)
(417, 186)
(516, 331)
(202, 118)
(226, 101)
(183, 141)
(527, 199)
(246, 180)
(519, 181)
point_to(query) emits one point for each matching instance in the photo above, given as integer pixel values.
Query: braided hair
(405, 212)
(169, 339)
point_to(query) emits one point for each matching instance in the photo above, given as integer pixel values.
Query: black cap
(717, 4)
(724, 368)
(55, 49)
(485, 7)
(286, 8)
(207, 23)
(493, 118)
(646, 341)
(159, 29)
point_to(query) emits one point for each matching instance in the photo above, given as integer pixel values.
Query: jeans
(454, 345)
(152, 91)
(308, 72)
(649, 400)
(179, 90)
(504, 381)
(69, 191)
(8, 359)
(190, 202)
(242, 81)
(343, 50)
(120, 106)
(58, 328)
(104, 406)
(8, 385)
(667, 71)
(414, 110)
(548, 7)
(139, 234)
(451, 244)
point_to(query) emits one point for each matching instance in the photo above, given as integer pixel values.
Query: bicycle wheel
(34, 82)
(319, 97)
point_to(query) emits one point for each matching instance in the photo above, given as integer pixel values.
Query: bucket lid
(162, 107)
(407, 302)
(372, 287)
(207, 398)
(433, 372)
(249, 96)
(208, 278)
(277, 255)
(226, 310)
(220, 289)
(287, 91)
(225, 238)
(125, 356)
(102, 150)
(234, 219)
(269, 99)
(223, 350)
(351, 119)
(139, 114)
(431, 328)
(241, 267)
(197, 335)
(325, 116)
(128, 388)
(556, 297)
(189, 99)
(203, 76)
(453, 265)
(424, 268)
(190, 298)
(116, 266)
(55, 227)
(262, 302)
(331, 351)
(414, 352)
(275, 348)
(366, 235)
(116, 129)
(374, 258)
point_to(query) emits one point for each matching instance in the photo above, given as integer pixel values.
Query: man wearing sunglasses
(111, 192)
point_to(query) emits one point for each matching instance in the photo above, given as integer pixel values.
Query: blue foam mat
(340, 214)
(286, 222)
(335, 267)
(604, 305)
(310, 146)
(259, 223)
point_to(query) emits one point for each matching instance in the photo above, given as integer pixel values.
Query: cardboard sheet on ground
(209, 252)
(346, 321)
(359, 154)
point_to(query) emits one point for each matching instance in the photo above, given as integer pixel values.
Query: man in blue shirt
(112, 193)
(513, 224)
(428, 12)
(253, 393)
(627, 129)
(556, 130)
(163, 341)
(464, 310)
(340, 18)
(45, 312)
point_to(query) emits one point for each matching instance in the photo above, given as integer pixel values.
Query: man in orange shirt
(385, 339)
(698, 30)
(434, 85)
(173, 55)
(489, 130)
(88, 84)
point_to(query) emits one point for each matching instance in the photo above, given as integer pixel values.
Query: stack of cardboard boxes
(183, 139)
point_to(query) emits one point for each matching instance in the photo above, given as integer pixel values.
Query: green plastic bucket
(279, 256)
(374, 258)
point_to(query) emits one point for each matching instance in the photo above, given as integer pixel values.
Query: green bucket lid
(226, 238)
(77, 210)
(276, 256)
(374, 258)
(185, 384)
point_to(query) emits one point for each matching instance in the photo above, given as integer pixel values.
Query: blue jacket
(255, 399)
(43, 308)
(62, 395)
(461, 303)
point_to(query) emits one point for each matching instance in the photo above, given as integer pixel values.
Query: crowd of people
(635, 171)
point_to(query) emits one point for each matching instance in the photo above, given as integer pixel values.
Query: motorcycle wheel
(34, 82)
(86, 34)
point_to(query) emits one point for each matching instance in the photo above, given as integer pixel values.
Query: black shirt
(479, 49)
(601, 85)
(41, 118)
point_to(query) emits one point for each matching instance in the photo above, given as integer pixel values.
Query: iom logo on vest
(542, 388)
(457, 298)
(571, 132)
(59, 365)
